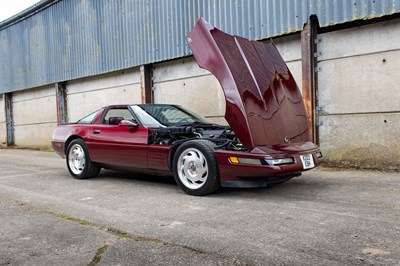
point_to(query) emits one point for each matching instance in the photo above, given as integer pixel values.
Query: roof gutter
(30, 11)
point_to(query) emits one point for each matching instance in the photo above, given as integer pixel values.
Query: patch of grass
(97, 256)
(121, 234)
(110, 230)
(70, 218)
(46, 149)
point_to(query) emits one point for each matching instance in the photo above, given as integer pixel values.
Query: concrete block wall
(184, 83)
(3, 132)
(89, 94)
(290, 49)
(359, 93)
(35, 116)
(35, 110)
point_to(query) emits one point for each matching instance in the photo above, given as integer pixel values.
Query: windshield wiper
(197, 123)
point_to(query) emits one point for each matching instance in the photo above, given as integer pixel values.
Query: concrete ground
(325, 217)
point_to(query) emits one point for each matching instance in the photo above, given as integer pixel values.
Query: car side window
(87, 119)
(116, 115)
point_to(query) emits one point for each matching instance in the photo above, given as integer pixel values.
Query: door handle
(96, 131)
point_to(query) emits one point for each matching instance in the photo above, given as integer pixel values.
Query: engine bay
(222, 136)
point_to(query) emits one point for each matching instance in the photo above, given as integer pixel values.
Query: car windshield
(170, 115)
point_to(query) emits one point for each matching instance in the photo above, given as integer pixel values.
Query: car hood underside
(264, 106)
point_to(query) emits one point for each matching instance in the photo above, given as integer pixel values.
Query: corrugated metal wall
(77, 38)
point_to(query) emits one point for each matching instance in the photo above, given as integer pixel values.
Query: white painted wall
(35, 116)
(35, 110)
(359, 92)
(3, 132)
(89, 94)
(290, 49)
(184, 83)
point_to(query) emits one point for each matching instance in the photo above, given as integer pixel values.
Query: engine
(222, 136)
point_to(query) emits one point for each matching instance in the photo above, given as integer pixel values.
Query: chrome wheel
(192, 168)
(76, 159)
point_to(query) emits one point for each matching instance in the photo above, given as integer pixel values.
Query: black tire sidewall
(213, 182)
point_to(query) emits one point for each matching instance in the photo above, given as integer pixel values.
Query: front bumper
(252, 175)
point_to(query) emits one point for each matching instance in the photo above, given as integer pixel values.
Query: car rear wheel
(78, 162)
(195, 168)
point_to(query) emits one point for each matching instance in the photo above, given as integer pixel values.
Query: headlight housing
(279, 161)
(238, 160)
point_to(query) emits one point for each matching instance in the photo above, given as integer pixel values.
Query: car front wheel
(78, 162)
(195, 168)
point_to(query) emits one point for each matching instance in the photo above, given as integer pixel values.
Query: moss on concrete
(97, 256)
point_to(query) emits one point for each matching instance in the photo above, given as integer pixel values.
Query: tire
(195, 168)
(78, 161)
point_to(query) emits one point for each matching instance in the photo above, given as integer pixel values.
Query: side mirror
(131, 125)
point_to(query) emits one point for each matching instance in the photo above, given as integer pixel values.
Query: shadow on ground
(297, 185)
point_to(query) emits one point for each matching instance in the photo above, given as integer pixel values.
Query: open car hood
(264, 106)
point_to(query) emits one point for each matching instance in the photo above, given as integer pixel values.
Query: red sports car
(266, 141)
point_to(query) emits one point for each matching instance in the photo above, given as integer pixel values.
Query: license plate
(307, 160)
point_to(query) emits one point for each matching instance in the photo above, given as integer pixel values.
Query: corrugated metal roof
(62, 40)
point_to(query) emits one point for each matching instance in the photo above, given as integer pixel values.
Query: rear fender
(68, 141)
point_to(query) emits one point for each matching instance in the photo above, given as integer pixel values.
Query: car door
(119, 145)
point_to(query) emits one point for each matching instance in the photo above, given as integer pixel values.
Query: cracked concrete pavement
(325, 217)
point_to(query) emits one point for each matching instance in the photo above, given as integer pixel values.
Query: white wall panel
(32, 135)
(106, 81)
(35, 111)
(364, 140)
(290, 49)
(295, 69)
(184, 83)
(178, 69)
(361, 84)
(359, 94)
(35, 116)
(374, 38)
(87, 95)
